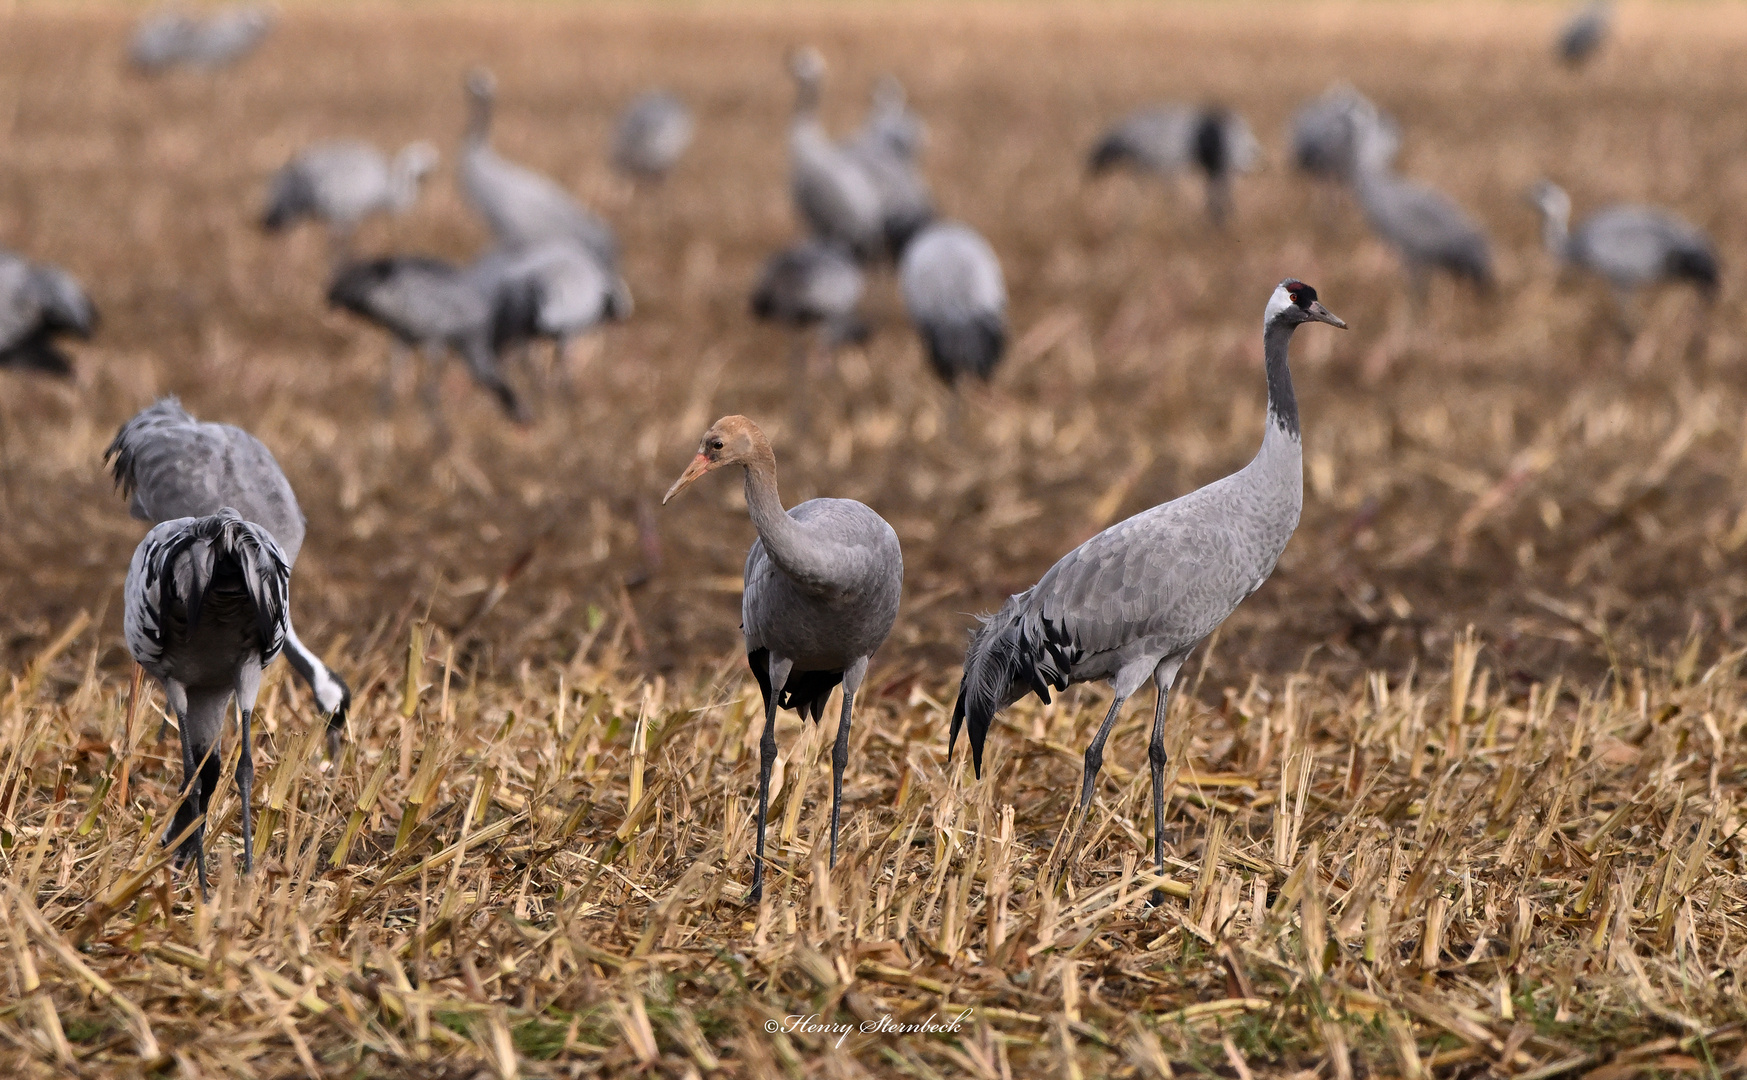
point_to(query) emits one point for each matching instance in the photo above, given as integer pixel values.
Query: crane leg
(779, 677)
(245, 788)
(840, 749)
(1094, 762)
(1163, 677)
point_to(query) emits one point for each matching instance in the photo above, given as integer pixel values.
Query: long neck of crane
(1282, 445)
(797, 554)
(479, 121)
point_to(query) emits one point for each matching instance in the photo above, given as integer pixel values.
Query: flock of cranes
(207, 594)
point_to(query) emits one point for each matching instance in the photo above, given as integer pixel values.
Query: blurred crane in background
(1167, 140)
(39, 303)
(342, 182)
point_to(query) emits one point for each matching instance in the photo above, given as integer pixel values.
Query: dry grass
(1397, 847)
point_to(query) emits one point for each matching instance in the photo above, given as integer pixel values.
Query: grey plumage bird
(1628, 246)
(653, 133)
(811, 286)
(342, 182)
(835, 198)
(204, 612)
(1583, 34)
(822, 586)
(1427, 229)
(553, 291)
(170, 465)
(38, 304)
(1323, 132)
(1167, 140)
(521, 206)
(433, 306)
(1133, 602)
(954, 292)
(172, 37)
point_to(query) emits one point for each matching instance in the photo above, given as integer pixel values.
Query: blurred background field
(1499, 463)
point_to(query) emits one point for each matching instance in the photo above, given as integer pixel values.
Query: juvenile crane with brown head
(822, 588)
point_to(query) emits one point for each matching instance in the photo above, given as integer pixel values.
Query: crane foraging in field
(1425, 227)
(957, 299)
(39, 303)
(1134, 601)
(170, 465)
(520, 206)
(653, 132)
(343, 182)
(1169, 139)
(1628, 246)
(822, 587)
(811, 285)
(205, 610)
(554, 290)
(430, 304)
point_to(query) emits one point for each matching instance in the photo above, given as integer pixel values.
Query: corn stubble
(1398, 845)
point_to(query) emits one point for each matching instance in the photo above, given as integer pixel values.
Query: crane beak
(699, 466)
(1322, 314)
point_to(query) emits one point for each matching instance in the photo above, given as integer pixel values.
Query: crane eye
(1293, 297)
(715, 444)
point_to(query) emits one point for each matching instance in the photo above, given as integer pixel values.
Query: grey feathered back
(174, 466)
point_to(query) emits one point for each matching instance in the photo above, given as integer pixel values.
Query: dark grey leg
(1095, 755)
(766, 760)
(1156, 758)
(246, 787)
(839, 759)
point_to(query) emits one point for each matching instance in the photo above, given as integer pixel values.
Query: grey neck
(806, 99)
(1556, 232)
(479, 121)
(799, 555)
(1282, 403)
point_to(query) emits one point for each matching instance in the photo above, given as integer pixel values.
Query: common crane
(170, 465)
(1133, 602)
(953, 289)
(204, 611)
(1169, 139)
(521, 206)
(822, 586)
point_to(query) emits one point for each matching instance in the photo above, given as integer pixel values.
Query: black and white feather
(205, 608)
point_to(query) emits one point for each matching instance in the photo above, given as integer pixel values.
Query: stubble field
(1458, 786)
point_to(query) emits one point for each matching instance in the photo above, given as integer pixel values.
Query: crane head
(1295, 302)
(732, 440)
